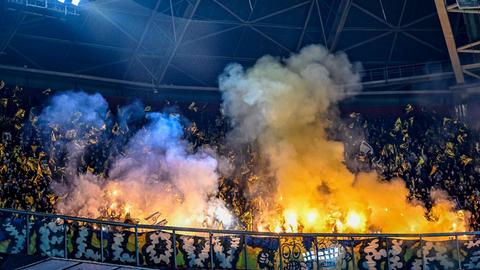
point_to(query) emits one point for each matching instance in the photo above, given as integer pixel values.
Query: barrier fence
(403, 71)
(151, 246)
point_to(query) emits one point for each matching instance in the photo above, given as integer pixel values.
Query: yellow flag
(421, 161)
(465, 160)
(39, 170)
(3, 169)
(51, 198)
(446, 120)
(20, 113)
(449, 150)
(398, 124)
(409, 108)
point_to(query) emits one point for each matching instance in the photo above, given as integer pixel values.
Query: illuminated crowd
(24, 169)
(428, 150)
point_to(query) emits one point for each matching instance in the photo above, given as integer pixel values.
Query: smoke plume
(283, 106)
(157, 176)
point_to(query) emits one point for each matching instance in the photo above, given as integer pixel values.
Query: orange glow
(355, 221)
(311, 216)
(356, 212)
(127, 209)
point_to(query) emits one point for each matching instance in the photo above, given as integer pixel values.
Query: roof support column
(450, 40)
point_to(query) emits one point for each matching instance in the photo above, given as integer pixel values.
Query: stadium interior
(239, 134)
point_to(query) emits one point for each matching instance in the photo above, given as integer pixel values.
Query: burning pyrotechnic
(355, 221)
(283, 106)
(158, 178)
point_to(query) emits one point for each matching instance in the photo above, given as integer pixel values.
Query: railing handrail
(235, 232)
(391, 72)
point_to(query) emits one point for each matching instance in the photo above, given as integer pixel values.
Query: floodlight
(75, 2)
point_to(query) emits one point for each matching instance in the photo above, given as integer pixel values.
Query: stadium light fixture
(61, 1)
(75, 2)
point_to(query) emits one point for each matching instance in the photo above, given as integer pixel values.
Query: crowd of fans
(428, 150)
(33, 156)
(24, 170)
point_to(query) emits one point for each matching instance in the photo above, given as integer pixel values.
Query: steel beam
(399, 23)
(396, 29)
(10, 35)
(142, 37)
(229, 11)
(469, 11)
(425, 43)
(115, 24)
(368, 40)
(464, 48)
(278, 12)
(216, 33)
(372, 15)
(179, 41)
(270, 38)
(472, 66)
(28, 59)
(126, 50)
(90, 68)
(450, 40)
(468, 72)
(305, 25)
(238, 45)
(210, 21)
(188, 75)
(101, 80)
(174, 30)
(320, 17)
(77, 79)
(339, 23)
(419, 20)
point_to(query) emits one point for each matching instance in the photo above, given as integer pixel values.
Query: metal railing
(405, 71)
(43, 5)
(137, 228)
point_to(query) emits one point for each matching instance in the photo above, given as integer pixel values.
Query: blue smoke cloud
(71, 110)
(157, 172)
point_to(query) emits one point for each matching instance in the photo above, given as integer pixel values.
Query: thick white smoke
(158, 173)
(285, 94)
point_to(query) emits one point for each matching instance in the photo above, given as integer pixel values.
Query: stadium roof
(189, 42)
